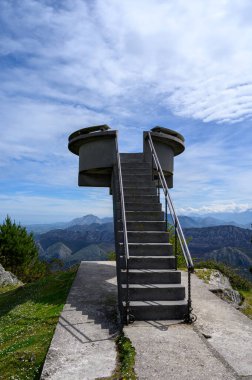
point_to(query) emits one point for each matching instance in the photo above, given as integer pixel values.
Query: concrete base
(229, 331)
(83, 345)
(218, 346)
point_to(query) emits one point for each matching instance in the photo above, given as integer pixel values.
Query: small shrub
(19, 253)
(181, 263)
(112, 256)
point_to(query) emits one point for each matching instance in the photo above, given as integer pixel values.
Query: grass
(126, 357)
(125, 360)
(204, 274)
(28, 317)
(247, 310)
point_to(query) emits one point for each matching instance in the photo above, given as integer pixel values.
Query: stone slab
(176, 352)
(168, 350)
(230, 331)
(83, 346)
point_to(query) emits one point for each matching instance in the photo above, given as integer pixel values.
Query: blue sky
(68, 64)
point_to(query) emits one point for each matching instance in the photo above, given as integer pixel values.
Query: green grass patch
(204, 274)
(125, 360)
(28, 317)
(126, 357)
(247, 303)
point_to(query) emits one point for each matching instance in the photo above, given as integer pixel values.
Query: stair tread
(143, 211)
(146, 232)
(139, 187)
(149, 244)
(151, 257)
(151, 271)
(147, 221)
(142, 203)
(150, 286)
(156, 303)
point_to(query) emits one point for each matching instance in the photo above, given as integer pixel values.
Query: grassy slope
(247, 294)
(28, 317)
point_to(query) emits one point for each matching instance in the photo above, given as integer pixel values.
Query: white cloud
(196, 56)
(131, 65)
(27, 208)
(214, 208)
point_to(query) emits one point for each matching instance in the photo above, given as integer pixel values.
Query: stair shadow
(94, 295)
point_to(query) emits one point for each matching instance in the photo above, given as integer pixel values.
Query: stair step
(154, 292)
(135, 166)
(136, 172)
(131, 157)
(158, 310)
(149, 262)
(133, 177)
(150, 249)
(141, 199)
(144, 215)
(146, 226)
(152, 276)
(132, 206)
(146, 236)
(140, 190)
(138, 181)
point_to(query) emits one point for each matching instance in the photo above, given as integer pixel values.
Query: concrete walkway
(218, 346)
(83, 345)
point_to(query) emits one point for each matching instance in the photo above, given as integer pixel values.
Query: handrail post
(166, 214)
(190, 318)
(152, 168)
(176, 245)
(129, 317)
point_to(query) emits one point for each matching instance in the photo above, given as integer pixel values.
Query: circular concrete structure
(168, 144)
(96, 148)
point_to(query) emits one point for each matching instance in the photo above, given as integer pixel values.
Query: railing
(125, 234)
(189, 318)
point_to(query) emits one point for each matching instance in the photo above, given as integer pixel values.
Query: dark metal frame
(179, 235)
(129, 318)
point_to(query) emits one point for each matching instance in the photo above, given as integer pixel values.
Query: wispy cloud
(215, 208)
(67, 65)
(32, 208)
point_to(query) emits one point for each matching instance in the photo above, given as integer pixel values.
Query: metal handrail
(178, 229)
(125, 233)
(175, 219)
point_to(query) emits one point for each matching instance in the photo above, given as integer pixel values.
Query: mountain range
(77, 242)
(92, 238)
(84, 220)
(242, 219)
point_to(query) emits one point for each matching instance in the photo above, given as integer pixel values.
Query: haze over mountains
(239, 219)
(84, 220)
(92, 238)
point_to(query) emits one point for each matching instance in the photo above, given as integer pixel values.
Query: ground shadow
(94, 294)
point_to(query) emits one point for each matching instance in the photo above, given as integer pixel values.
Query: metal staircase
(149, 284)
(154, 284)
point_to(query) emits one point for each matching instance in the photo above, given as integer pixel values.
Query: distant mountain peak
(86, 219)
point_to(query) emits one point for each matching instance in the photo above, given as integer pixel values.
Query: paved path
(181, 352)
(83, 344)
